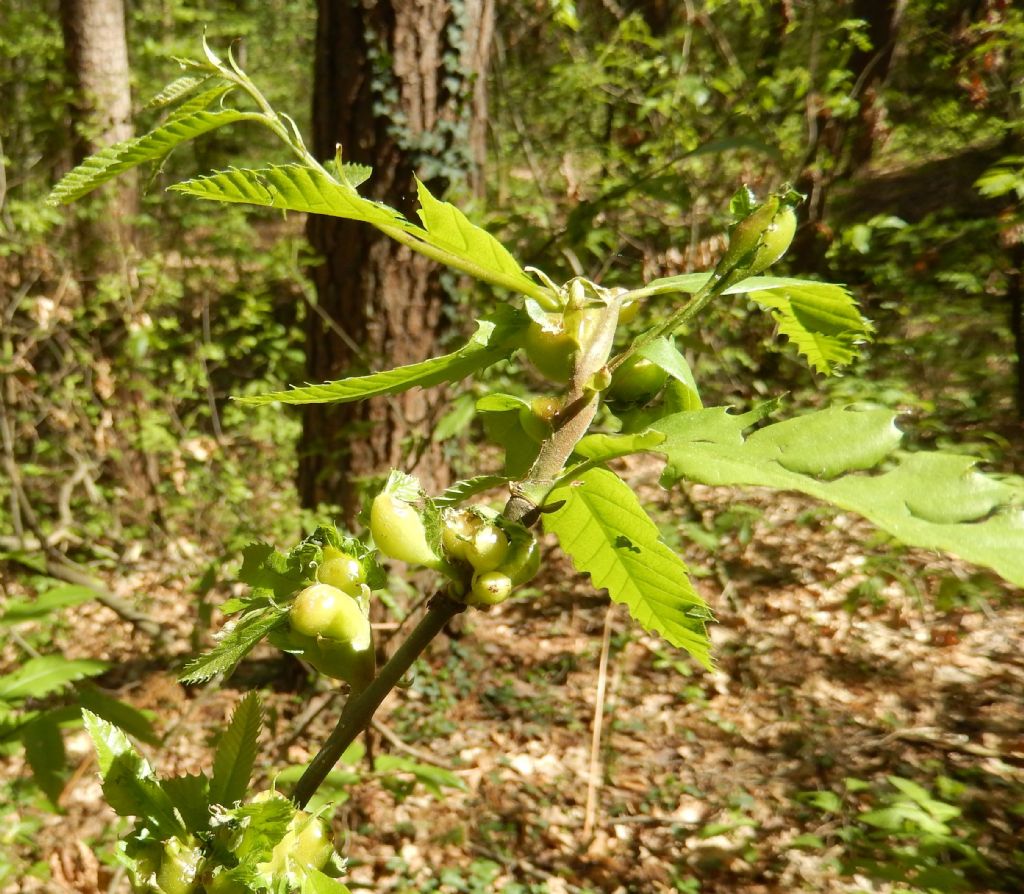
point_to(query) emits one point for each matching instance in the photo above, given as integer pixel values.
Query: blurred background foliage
(617, 132)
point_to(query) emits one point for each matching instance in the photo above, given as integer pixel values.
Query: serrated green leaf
(447, 236)
(44, 751)
(130, 791)
(267, 823)
(236, 752)
(446, 227)
(601, 448)
(821, 319)
(264, 568)
(350, 174)
(201, 101)
(930, 500)
(604, 530)
(315, 882)
(235, 643)
(46, 603)
(463, 490)
(190, 796)
(128, 781)
(40, 676)
(121, 714)
(108, 741)
(496, 339)
(108, 163)
(291, 188)
(174, 91)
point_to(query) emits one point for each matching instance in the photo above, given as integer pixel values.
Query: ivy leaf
(235, 643)
(602, 527)
(496, 339)
(929, 500)
(821, 319)
(40, 676)
(129, 785)
(108, 163)
(236, 753)
(448, 228)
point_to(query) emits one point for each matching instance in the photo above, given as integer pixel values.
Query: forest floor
(865, 722)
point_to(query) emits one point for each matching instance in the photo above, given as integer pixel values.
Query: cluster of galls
(551, 348)
(330, 623)
(494, 559)
(486, 559)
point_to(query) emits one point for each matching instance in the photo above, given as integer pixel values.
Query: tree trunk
(96, 55)
(399, 85)
(838, 148)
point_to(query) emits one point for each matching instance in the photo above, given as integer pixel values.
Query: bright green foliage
(291, 188)
(494, 340)
(193, 833)
(234, 645)
(602, 527)
(114, 160)
(236, 753)
(931, 500)
(464, 490)
(845, 456)
(129, 784)
(190, 795)
(462, 244)
(175, 91)
(1004, 177)
(601, 448)
(448, 228)
(821, 319)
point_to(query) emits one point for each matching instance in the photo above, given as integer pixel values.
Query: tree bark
(838, 148)
(96, 55)
(398, 84)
